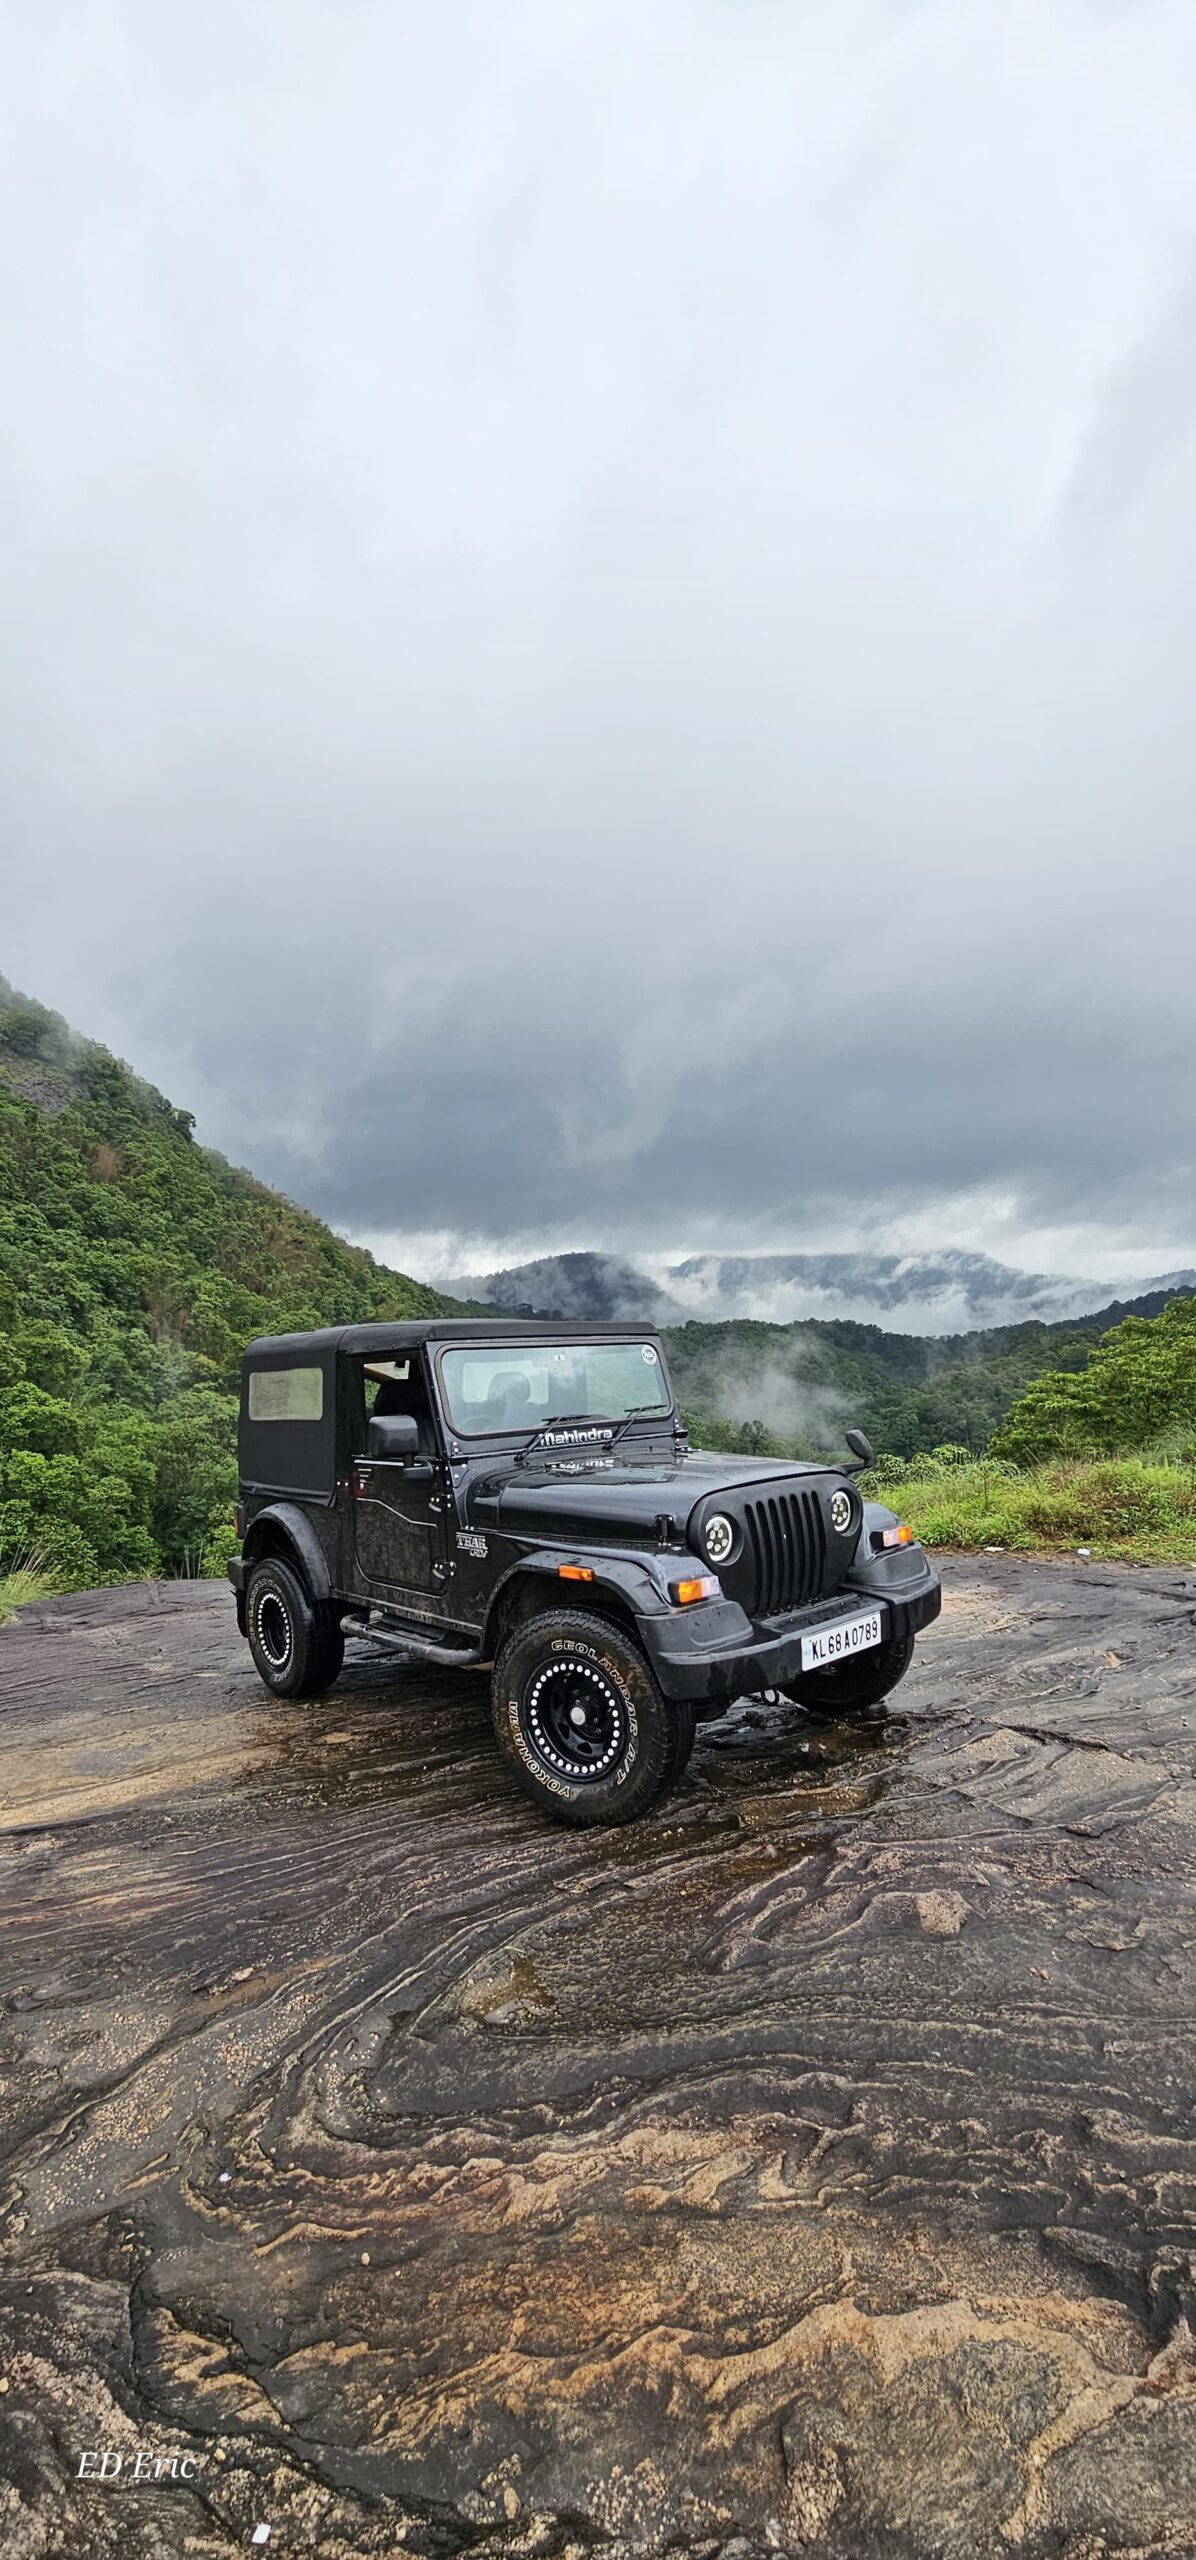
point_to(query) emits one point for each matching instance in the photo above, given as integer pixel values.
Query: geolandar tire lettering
(583, 1724)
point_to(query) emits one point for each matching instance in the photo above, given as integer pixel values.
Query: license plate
(835, 1643)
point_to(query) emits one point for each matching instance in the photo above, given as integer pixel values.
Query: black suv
(525, 1495)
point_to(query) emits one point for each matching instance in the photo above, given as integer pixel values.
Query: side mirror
(393, 1435)
(861, 1448)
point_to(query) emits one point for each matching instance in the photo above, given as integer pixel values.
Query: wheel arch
(535, 1585)
(284, 1531)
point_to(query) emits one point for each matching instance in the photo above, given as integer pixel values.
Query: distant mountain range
(934, 1293)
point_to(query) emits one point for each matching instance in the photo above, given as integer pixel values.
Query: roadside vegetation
(1124, 1507)
(1104, 1457)
(23, 1579)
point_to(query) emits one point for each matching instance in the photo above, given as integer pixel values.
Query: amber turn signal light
(575, 1573)
(701, 1586)
(900, 1536)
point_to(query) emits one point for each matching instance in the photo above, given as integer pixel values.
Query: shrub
(1118, 1507)
(24, 1577)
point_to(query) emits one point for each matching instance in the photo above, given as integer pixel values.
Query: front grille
(786, 1542)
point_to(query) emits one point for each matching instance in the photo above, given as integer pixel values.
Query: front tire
(580, 1720)
(847, 1688)
(296, 1644)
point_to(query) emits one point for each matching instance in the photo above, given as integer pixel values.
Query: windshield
(522, 1386)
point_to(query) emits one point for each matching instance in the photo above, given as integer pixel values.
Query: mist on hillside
(805, 1412)
(938, 1293)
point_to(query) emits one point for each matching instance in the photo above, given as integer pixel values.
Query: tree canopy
(1137, 1390)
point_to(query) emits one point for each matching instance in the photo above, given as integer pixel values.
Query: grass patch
(23, 1579)
(1130, 1507)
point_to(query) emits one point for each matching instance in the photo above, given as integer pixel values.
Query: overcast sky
(599, 608)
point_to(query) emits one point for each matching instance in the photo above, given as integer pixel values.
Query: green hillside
(1101, 1459)
(134, 1266)
(792, 1388)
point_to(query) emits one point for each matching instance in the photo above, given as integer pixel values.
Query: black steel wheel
(580, 1719)
(575, 1717)
(857, 1684)
(297, 1646)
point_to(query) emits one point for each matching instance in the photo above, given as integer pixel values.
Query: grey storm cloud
(599, 602)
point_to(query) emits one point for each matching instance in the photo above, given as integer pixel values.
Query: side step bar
(383, 1631)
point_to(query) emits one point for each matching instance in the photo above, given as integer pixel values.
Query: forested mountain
(797, 1386)
(945, 1293)
(134, 1266)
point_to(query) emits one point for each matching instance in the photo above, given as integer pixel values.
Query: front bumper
(713, 1653)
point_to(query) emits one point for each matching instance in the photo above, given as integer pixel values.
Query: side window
(286, 1395)
(399, 1386)
(377, 1374)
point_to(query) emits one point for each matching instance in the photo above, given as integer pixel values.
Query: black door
(400, 1543)
(399, 1528)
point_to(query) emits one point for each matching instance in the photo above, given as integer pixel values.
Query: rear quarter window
(286, 1395)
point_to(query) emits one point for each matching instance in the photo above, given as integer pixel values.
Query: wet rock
(810, 2169)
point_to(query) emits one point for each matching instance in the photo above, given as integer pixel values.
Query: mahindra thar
(524, 1496)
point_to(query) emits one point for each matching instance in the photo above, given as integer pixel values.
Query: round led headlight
(718, 1538)
(841, 1508)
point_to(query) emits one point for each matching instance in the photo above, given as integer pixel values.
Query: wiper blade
(637, 1413)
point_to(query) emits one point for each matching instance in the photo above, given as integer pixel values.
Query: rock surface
(809, 2169)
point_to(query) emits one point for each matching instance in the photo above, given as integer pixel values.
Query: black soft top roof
(405, 1333)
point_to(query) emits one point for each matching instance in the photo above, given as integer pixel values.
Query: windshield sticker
(648, 1353)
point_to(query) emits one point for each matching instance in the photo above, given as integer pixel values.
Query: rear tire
(296, 1642)
(580, 1720)
(845, 1688)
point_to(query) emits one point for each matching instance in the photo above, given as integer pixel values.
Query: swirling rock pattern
(809, 2169)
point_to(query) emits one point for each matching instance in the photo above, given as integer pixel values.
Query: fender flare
(299, 1534)
(625, 1577)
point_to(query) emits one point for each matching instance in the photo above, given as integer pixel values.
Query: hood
(621, 1501)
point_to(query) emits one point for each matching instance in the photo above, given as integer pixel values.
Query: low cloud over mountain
(948, 1292)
